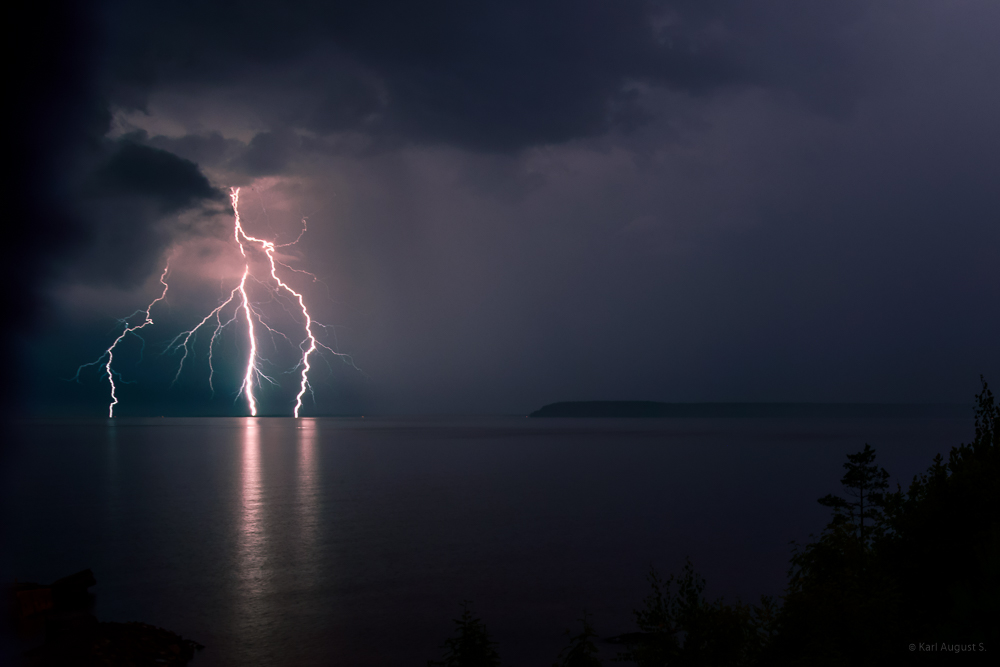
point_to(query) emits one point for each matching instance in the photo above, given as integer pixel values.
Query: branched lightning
(128, 329)
(182, 339)
(309, 343)
(243, 309)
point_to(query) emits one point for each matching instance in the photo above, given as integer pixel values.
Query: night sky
(512, 203)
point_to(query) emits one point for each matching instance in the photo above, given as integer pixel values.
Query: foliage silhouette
(924, 569)
(891, 569)
(581, 652)
(471, 646)
(867, 484)
(947, 526)
(679, 626)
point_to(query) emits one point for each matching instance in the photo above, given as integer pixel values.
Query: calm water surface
(353, 542)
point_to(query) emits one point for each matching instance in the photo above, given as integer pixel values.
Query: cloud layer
(516, 203)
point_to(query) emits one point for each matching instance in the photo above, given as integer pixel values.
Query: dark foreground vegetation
(896, 574)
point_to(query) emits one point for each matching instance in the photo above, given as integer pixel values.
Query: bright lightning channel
(110, 352)
(307, 346)
(253, 373)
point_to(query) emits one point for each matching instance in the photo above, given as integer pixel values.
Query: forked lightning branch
(237, 309)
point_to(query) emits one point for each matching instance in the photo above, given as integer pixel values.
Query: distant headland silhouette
(653, 409)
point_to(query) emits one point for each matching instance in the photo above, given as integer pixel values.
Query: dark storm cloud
(536, 201)
(67, 176)
(128, 203)
(171, 183)
(209, 148)
(494, 76)
(267, 153)
(497, 76)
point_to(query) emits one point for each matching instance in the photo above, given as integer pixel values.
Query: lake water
(354, 541)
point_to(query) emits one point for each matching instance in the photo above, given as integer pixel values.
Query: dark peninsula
(653, 409)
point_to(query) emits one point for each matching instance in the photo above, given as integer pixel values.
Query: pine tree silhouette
(581, 652)
(471, 646)
(867, 484)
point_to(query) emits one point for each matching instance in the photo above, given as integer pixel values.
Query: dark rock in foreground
(652, 409)
(63, 613)
(66, 593)
(93, 643)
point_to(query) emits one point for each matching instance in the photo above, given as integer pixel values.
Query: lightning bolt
(128, 329)
(309, 343)
(252, 358)
(242, 305)
(181, 340)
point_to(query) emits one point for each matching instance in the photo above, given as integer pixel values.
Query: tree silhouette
(889, 569)
(866, 483)
(581, 652)
(892, 567)
(679, 626)
(948, 523)
(840, 597)
(471, 646)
